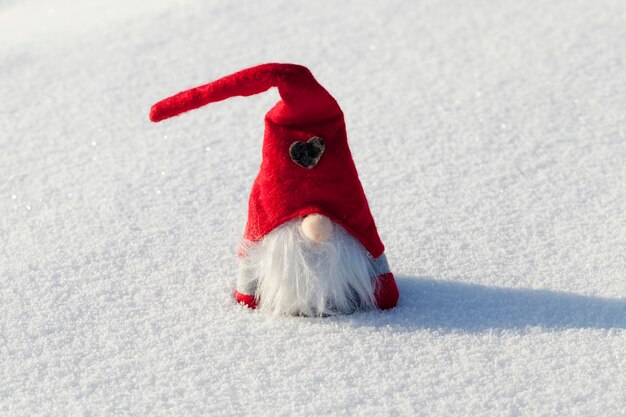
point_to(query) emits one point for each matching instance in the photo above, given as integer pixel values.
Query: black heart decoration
(307, 154)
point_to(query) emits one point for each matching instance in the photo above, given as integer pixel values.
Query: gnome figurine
(310, 245)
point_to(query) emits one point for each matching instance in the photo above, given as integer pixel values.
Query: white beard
(296, 276)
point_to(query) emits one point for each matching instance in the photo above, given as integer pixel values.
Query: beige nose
(317, 228)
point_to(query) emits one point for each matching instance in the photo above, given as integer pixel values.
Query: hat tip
(155, 114)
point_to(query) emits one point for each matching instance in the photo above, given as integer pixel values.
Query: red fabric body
(284, 190)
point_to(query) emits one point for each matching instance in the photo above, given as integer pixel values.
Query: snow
(490, 138)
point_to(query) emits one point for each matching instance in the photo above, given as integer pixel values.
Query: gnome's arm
(248, 300)
(385, 288)
(386, 292)
(246, 283)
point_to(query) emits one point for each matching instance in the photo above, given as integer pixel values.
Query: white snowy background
(490, 137)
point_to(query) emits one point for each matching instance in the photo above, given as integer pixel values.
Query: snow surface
(490, 137)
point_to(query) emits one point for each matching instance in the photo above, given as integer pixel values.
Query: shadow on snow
(427, 303)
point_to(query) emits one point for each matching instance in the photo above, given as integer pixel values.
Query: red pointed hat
(307, 166)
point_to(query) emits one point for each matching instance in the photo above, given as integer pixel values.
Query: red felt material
(284, 190)
(386, 292)
(245, 299)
